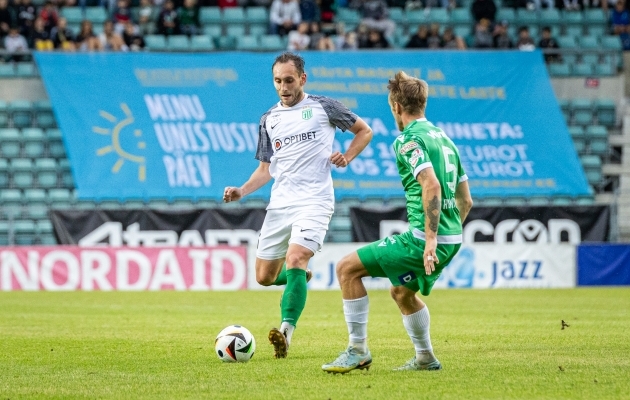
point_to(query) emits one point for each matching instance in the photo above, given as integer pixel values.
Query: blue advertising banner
(186, 125)
(603, 264)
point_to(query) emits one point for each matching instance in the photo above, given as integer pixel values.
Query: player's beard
(295, 98)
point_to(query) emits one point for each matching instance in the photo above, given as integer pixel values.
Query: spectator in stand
(549, 43)
(15, 43)
(419, 40)
(375, 15)
(121, 15)
(26, 13)
(299, 38)
(145, 17)
(284, 16)
(188, 16)
(227, 3)
(501, 39)
(572, 5)
(168, 23)
(39, 38)
(316, 35)
(483, 38)
(452, 42)
(49, 14)
(537, 4)
(620, 22)
(309, 10)
(484, 9)
(7, 18)
(434, 40)
(110, 40)
(363, 34)
(86, 39)
(525, 41)
(349, 41)
(62, 36)
(376, 40)
(326, 11)
(131, 37)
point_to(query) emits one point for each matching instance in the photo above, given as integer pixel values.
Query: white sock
(289, 331)
(417, 325)
(356, 312)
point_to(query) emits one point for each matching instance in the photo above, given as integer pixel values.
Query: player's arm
(463, 199)
(258, 179)
(362, 136)
(432, 204)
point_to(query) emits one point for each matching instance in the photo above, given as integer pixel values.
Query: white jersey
(298, 142)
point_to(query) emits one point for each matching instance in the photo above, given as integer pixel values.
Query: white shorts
(300, 225)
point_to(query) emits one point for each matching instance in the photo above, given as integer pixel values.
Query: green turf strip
(492, 344)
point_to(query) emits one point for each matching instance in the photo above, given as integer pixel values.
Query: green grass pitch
(492, 343)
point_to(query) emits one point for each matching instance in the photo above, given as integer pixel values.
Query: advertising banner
(603, 264)
(186, 125)
(549, 224)
(114, 268)
(161, 228)
(478, 266)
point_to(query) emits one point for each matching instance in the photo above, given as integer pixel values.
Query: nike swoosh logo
(302, 230)
(273, 126)
(310, 240)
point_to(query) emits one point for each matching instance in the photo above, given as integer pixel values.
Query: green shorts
(401, 259)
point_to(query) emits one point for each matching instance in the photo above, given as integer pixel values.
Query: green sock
(282, 276)
(294, 297)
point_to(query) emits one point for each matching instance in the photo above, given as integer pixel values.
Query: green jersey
(422, 145)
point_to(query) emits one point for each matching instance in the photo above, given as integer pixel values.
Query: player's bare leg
(417, 322)
(350, 270)
(293, 300)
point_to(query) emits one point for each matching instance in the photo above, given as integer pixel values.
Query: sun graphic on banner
(116, 147)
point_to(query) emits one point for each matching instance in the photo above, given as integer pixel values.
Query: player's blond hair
(410, 92)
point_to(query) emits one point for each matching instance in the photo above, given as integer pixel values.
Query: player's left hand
(338, 159)
(430, 258)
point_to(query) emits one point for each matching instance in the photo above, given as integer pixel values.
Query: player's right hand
(232, 194)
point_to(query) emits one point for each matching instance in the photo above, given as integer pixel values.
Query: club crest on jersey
(415, 156)
(307, 113)
(408, 146)
(277, 144)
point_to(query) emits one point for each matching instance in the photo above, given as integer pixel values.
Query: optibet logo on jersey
(307, 113)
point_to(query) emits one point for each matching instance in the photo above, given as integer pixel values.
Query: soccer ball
(235, 344)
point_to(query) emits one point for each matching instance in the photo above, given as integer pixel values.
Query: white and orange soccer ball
(235, 344)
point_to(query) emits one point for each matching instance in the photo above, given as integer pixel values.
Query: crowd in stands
(306, 24)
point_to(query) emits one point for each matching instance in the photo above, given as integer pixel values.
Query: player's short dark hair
(410, 92)
(286, 57)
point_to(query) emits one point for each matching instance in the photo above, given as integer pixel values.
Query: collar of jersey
(288, 108)
(409, 125)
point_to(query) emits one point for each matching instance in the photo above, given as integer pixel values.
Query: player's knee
(297, 259)
(344, 269)
(400, 294)
(265, 279)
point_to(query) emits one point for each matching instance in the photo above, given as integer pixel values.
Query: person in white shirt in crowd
(299, 39)
(15, 43)
(284, 16)
(295, 148)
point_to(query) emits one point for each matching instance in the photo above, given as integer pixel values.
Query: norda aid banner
(117, 268)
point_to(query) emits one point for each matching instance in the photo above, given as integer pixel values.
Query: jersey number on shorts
(450, 168)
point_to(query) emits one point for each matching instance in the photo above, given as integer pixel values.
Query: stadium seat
(596, 132)
(247, 43)
(47, 240)
(549, 16)
(525, 17)
(559, 70)
(4, 113)
(397, 15)
(582, 111)
(572, 18)
(582, 69)
(22, 172)
(596, 30)
(580, 146)
(60, 196)
(611, 43)
(259, 15)
(155, 42)
(574, 30)
(591, 162)
(561, 201)
(47, 179)
(33, 142)
(7, 70)
(227, 43)
(10, 142)
(598, 146)
(461, 16)
(605, 112)
(589, 43)
(594, 16)
(258, 30)
(43, 226)
(21, 113)
(25, 70)
(210, 15)
(590, 58)
(567, 42)
(594, 177)
(178, 43)
(233, 15)
(213, 31)
(201, 43)
(34, 196)
(576, 132)
(349, 16)
(10, 196)
(506, 14)
(438, 15)
(97, 15)
(74, 15)
(271, 43)
(36, 211)
(44, 117)
(235, 30)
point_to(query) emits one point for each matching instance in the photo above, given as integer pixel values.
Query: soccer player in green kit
(438, 201)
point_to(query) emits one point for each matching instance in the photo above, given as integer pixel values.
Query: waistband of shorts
(441, 239)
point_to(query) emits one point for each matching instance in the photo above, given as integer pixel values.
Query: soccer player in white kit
(295, 149)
